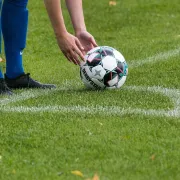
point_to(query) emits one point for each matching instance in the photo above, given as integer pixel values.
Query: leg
(1, 74)
(14, 29)
(4, 90)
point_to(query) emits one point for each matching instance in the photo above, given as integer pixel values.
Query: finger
(84, 53)
(75, 57)
(77, 63)
(93, 42)
(80, 47)
(74, 61)
(80, 53)
(70, 59)
(89, 47)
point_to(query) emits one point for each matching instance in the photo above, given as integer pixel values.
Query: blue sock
(1, 74)
(14, 28)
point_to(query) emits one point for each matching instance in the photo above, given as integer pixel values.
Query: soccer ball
(104, 68)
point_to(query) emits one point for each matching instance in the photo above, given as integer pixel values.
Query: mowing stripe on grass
(163, 56)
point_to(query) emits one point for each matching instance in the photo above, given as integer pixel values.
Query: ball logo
(89, 79)
(97, 73)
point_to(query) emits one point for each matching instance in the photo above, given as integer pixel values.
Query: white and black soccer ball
(104, 68)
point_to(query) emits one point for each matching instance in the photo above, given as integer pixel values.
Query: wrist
(79, 30)
(60, 34)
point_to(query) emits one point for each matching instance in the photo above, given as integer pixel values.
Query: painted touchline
(163, 56)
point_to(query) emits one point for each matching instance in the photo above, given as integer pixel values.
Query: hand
(87, 40)
(71, 47)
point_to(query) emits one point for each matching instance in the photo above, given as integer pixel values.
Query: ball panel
(92, 56)
(112, 87)
(120, 68)
(106, 51)
(99, 84)
(94, 62)
(98, 72)
(109, 76)
(109, 63)
(93, 50)
(118, 55)
(121, 81)
(87, 72)
(113, 81)
(89, 81)
(125, 69)
(108, 47)
(85, 81)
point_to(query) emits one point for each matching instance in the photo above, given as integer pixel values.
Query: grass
(49, 145)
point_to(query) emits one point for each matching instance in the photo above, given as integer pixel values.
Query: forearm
(55, 14)
(76, 12)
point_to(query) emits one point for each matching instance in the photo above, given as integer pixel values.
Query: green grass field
(131, 133)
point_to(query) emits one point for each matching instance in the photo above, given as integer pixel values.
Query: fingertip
(94, 42)
(82, 56)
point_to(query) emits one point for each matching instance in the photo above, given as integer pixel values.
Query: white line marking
(112, 110)
(173, 94)
(163, 56)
